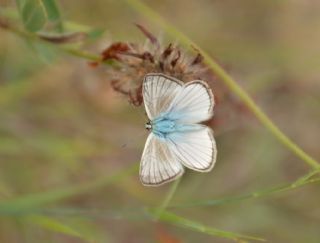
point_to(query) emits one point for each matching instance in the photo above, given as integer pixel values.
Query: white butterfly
(176, 139)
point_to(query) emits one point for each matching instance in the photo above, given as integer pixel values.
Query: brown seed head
(136, 60)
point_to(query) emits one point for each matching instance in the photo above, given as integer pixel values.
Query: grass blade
(55, 226)
(168, 198)
(174, 219)
(302, 181)
(34, 201)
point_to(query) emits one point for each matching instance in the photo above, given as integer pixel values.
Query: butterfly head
(148, 125)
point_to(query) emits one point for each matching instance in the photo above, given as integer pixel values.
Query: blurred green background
(65, 133)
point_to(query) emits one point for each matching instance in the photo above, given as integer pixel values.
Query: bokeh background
(63, 126)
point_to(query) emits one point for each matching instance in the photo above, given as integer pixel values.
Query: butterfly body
(163, 127)
(175, 110)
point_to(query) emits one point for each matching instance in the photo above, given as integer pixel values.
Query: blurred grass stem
(37, 200)
(147, 12)
(167, 199)
(302, 181)
(65, 48)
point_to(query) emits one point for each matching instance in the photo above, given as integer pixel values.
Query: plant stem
(174, 219)
(302, 181)
(67, 49)
(167, 199)
(144, 10)
(37, 200)
(215, 67)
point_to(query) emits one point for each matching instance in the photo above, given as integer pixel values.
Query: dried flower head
(134, 61)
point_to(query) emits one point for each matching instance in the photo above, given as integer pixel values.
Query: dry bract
(135, 60)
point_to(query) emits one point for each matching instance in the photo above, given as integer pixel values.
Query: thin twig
(144, 10)
(302, 181)
(167, 199)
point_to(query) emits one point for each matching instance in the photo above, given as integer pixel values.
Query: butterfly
(176, 138)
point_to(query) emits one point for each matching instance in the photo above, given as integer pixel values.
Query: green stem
(302, 181)
(179, 221)
(67, 49)
(227, 79)
(167, 199)
(32, 201)
(218, 70)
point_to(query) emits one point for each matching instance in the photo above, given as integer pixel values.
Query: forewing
(194, 103)
(158, 164)
(158, 92)
(194, 149)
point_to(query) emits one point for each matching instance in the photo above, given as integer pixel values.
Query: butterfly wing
(158, 163)
(158, 92)
(195, 149)
(193, 104)
(192, 146)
